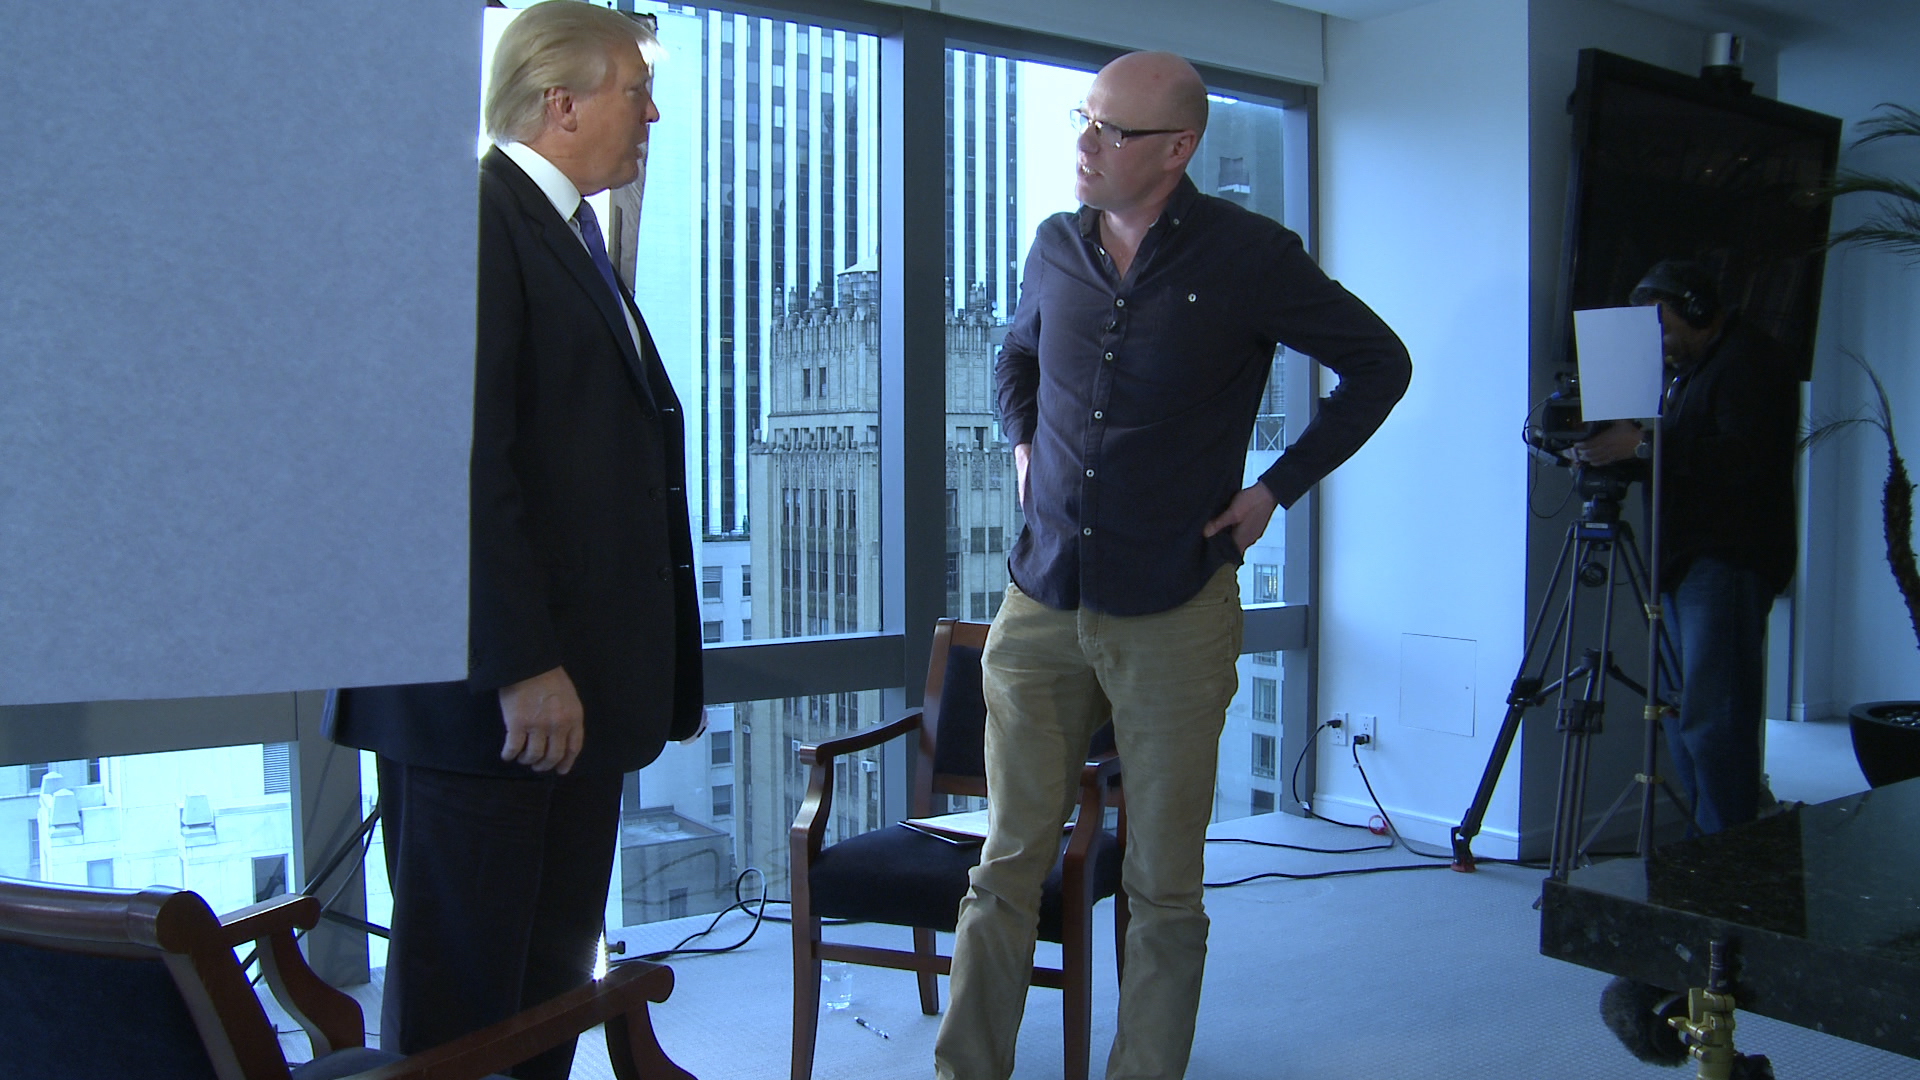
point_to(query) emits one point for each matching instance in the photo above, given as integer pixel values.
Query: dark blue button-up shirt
(1138, 395)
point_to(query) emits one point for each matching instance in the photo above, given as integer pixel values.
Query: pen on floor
(862, 1021)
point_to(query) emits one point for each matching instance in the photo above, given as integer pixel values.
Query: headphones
(1686, 286)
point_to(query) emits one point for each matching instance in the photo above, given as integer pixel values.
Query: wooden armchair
(903, 877)
(122, 984)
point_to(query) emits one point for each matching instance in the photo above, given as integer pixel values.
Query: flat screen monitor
(1667, 165)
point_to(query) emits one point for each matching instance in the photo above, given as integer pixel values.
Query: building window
(1267, 659)
(93, 770)
(721, 744)
(710, 583)
(1262, 801)
(35, 774)
(100, 873)
(1269, 433)
(1263, 754)
(746, 581)
(269, 877)
(978, 607)
(276, 768)
(1266, 583)
(1266, 700)
(746, 629)
(711, 631)
(722, 800)
(953, 583)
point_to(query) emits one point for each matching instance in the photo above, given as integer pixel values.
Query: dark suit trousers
(499, 891)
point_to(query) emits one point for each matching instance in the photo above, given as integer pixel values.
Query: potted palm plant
(1886, 734)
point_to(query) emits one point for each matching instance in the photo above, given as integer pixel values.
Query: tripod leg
(1526, 691)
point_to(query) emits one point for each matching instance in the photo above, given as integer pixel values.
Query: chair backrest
(123, 982)
(953, 725)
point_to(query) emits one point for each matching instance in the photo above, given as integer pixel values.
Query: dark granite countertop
(1821, 903)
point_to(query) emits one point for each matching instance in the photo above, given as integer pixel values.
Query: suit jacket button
(647, 414)
(666, 573)
(656, 493)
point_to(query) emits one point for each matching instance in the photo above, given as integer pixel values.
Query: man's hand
(1615, 442)
(544, 725)
(1022, 453)
(1247, 515)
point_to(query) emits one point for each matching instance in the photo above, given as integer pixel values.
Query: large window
(212, 820)
(756, 263)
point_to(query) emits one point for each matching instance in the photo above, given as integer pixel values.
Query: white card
(1620, 362)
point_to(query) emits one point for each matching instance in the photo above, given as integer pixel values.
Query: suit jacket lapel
(572, 254)
(566, 245)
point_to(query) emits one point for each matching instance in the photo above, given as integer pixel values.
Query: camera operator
(1727, 547)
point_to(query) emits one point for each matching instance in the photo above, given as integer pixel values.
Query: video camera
(1557, 424)
(1555, 427)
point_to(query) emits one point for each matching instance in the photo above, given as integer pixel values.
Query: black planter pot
(1886, 740)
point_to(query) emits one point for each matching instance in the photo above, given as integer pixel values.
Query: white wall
(1423, 214)
(1855, 641)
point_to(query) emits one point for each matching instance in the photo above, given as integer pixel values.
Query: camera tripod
(1598, 551)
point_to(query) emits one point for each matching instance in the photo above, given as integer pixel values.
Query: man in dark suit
(500, 793)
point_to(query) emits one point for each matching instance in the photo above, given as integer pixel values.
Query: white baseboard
(1425, 830)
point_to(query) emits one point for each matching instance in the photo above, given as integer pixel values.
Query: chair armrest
(809, 828)
(331, 1019)
(255, 921)
(1096, 777)
(826, 751)
(624, 992)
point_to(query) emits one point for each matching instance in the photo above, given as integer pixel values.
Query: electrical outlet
(1338, 732)
(1365, 724)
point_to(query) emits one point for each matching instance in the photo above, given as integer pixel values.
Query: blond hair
(557, 44)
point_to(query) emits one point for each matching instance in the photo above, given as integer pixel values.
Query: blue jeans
(1718, 619)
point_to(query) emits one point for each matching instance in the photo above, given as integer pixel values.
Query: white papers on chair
(1620, 369)
(965, 828)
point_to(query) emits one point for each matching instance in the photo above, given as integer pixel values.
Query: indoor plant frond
(1895, 224)
(1896, 497)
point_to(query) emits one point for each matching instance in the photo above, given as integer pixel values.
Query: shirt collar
(1179, 205)
(552, 182)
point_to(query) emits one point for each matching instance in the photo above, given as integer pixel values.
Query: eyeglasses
(1114, 133)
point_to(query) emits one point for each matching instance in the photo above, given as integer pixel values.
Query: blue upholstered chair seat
(904, 877)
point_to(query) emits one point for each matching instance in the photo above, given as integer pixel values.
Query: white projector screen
(236, 344)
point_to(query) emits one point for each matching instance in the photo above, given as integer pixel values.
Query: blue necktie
(596, 246)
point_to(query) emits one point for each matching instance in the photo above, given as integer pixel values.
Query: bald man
(1128, 384)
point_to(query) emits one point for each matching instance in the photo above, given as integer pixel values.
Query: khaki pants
(1049, 678)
